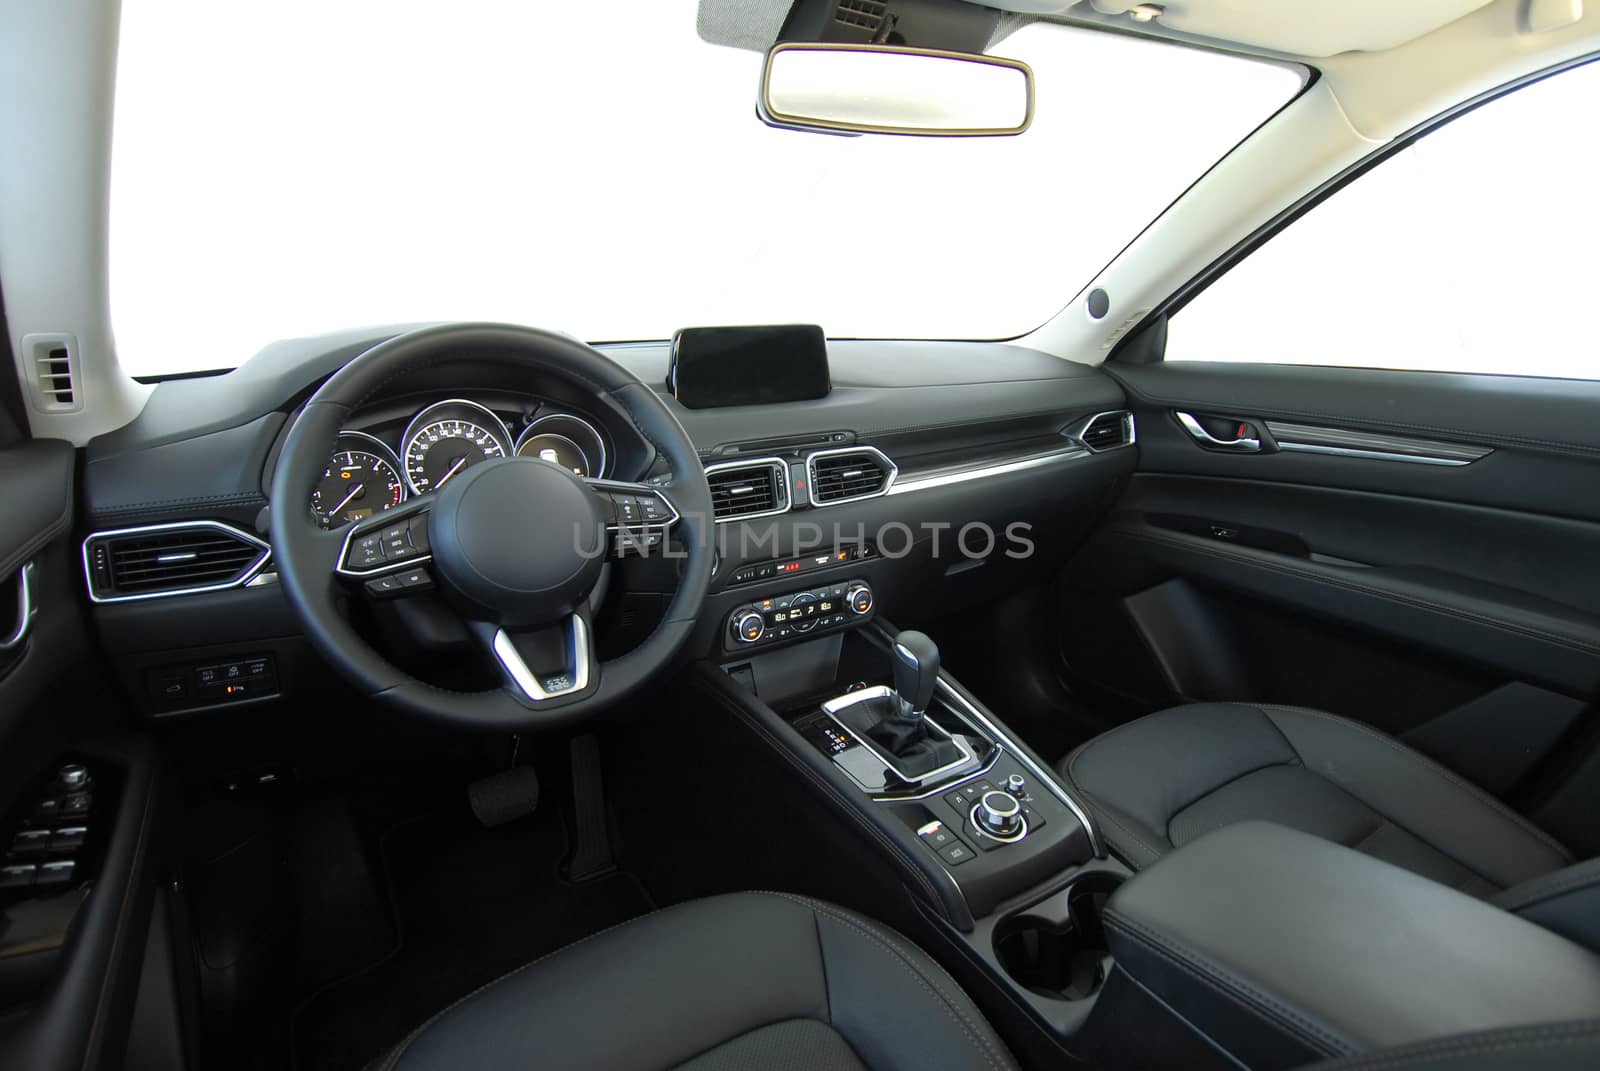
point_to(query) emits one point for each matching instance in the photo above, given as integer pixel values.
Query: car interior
(858, 534)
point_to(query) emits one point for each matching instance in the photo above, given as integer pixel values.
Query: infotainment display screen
(720, 366)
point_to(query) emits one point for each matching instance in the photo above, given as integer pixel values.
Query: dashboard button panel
(796, 614)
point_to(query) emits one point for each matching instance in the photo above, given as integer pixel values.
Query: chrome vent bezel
(777, 466)
(891, 471)
(249, 572)
(1129, 430)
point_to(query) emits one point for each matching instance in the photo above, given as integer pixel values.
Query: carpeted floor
(471, 904)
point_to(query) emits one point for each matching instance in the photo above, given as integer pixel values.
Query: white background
(292, 167)
(1473, 250)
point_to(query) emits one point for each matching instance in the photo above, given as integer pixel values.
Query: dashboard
(962, 434)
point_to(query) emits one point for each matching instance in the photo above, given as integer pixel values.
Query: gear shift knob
(916, 669)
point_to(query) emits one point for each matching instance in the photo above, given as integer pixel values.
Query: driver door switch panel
(799, 614)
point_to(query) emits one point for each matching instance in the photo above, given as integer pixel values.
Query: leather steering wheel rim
(305, 554)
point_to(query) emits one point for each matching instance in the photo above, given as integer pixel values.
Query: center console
(1001, 860)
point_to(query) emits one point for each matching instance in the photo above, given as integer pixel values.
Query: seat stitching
(1430, 766)
(1220, 981)
(400, 1050)
(1103, 811)
(1547, 887)
(1525, 1038)
(975, 1032)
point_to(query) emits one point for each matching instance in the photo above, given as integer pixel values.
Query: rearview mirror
(881, 89)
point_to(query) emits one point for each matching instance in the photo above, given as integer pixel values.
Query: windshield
(288, 168)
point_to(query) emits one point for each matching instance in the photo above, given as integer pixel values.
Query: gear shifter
(900, 730)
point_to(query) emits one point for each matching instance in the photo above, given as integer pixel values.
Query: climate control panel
(800, 613)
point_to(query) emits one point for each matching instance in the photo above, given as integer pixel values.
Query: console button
(56, 873)
(31, 842)
(17, 876)
(936, 836)
(1034, 818)
(955, 854)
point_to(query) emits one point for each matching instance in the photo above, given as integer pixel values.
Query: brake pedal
(505, 796)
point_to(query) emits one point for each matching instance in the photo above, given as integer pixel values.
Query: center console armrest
(1280, 948)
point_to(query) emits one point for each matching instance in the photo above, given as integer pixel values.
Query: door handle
(26, 610)
(1244, 444)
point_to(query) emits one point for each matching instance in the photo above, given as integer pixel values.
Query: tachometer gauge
(448, 437)
(362, 478)
(565, 440)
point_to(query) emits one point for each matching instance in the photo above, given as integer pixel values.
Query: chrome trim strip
(1343, 442)
(405, 436)
(984, 472)
(26, 610)
(505, 651)
(242, 579)
(811, 474)
(1045, 778)
(600, 470)
(1129, 427)
(1370, 455)
(832, 707)
(972, 816)
(750, 463)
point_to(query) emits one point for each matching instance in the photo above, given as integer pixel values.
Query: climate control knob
(998, 814)
(859, 599)
(748, 627)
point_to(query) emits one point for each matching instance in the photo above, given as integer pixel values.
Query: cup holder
(1057, 947)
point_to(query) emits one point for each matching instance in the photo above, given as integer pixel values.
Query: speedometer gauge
(362, 478)
(448, 437)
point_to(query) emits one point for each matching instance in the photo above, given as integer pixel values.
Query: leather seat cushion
(1162, 781)
(751, 980)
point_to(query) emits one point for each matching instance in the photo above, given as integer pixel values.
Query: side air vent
(55, 372)
(744, 489)
(848, 474)
(1107, 431)
(170, 559)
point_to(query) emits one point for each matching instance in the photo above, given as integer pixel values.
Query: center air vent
(1107, 431)
(744, 489)
(170, 559)
(848, 474)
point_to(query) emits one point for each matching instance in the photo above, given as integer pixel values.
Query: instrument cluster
(367, 475)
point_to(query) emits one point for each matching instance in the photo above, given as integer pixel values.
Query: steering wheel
(516, 546)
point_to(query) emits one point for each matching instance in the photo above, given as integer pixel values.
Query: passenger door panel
(1426, 566)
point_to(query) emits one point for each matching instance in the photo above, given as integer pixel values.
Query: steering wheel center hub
(517, 541)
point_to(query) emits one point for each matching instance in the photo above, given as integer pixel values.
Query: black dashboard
(873, 484)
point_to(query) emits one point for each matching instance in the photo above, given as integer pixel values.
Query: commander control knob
(999, 814)
(748, 627)
(859, 599)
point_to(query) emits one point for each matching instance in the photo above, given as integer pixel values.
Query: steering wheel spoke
(545, 664)
(639, 516)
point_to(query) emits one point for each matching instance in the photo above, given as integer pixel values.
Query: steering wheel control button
(366, 552)
(384, 586)
(415, 580)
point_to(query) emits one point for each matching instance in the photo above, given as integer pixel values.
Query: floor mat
(471, 904)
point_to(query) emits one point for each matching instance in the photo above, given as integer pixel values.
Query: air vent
(170, 559)
(745, 489)
(55, 372)
(848, 474)
(1107, 431)
(865, 15)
